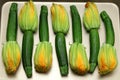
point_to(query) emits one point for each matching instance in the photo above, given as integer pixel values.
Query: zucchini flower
(28, 18)
(43, 57)
(60, 20)
(11, 56)
(107, 60)
(78, 58)
(91, 17)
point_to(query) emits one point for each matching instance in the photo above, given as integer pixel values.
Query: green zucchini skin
(43, 24)
(27, 49)
(76, 25)
(60, 45)
(94, 49)
(110, 36)
(12, 23)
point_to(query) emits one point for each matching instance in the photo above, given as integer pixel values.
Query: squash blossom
(107, 60)
(60, 20)
(11, 56)
(91, 17)
(78, 58)
(28, 19)
(43, 57)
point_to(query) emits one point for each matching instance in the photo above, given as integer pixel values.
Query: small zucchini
(43, 25)
(27, 48)
(28, 23)
(94, 48)
(91, 20)
(60, 45)
(43, 52)
(110, 36)
(77, 53)
(76, 25)
(12, 23)
(11, 54)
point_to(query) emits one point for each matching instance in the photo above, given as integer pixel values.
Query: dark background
(117, 2)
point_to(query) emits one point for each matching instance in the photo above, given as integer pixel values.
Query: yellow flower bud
(107, 60)
(43, 57)
(91, 18)
(78, 58)
(60, 20)
(28, 18)
(11, 56)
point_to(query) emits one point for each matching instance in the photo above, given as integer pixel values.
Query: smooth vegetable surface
(60, 45)
(94, 48)
(43, 24)
(12, 23)
(76, 25)
(110, 36)
(27, 48)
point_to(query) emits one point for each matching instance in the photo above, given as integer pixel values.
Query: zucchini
(77, 53)
(43, 24)
(94, 48)
(27, 48)
(60, 45)
(110, 36)
(76, 25)
(12, 23)
(107, 58)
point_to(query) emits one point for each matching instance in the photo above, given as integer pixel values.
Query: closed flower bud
(11, 56)
(28, 18)
(78, 58)
(60, 20)
(43, 57)
(91, 17)
(107, 60)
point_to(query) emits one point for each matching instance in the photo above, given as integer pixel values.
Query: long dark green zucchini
(27, 48)
(43, 27)
(12, 23)
(94, 48)
(76, 25)
(60, 45)
(110, 36)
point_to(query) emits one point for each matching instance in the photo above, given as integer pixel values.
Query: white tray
(54, 73)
